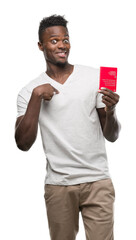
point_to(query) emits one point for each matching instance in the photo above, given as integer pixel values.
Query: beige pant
(95, 201)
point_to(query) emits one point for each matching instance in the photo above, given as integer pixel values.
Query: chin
(61, 64)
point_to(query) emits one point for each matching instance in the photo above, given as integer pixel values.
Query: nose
(61, 45)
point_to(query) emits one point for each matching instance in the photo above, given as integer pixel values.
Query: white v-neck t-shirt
(71, 133)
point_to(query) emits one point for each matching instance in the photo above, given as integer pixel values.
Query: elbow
(22, 146)
(112, 138)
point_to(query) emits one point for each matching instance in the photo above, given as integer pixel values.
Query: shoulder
(41, 79)
(26, 91)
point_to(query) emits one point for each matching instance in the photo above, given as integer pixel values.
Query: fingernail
(103, 88)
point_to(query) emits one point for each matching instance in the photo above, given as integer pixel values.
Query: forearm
(26, 129)
(112, 126)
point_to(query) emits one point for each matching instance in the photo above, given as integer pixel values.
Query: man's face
(55, 45)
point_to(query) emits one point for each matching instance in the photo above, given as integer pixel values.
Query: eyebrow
(54, 35)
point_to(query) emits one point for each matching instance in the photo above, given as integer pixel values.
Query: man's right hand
(27, 125)
(45, 91)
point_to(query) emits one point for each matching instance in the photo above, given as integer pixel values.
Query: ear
(40, 46)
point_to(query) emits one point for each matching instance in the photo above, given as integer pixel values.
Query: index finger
(106, 89)
(55, 91)
(108, 92)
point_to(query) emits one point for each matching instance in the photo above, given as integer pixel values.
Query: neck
(58, 70)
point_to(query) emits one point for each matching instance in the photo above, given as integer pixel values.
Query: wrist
(110, 112)
(37, 93)
(110, 109)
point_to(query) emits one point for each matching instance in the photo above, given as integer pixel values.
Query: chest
(76, 96)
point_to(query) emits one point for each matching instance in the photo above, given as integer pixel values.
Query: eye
(54, 41)
(66, 41)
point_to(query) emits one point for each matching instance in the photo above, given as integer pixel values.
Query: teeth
(62, 54)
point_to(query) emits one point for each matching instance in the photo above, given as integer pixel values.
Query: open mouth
(62, 54)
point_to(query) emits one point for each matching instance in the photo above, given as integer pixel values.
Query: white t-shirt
(71, 133)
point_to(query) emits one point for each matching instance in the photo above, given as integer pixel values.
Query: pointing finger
(55, 91)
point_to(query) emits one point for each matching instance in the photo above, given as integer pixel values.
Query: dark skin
(108, 119)
(55, 46)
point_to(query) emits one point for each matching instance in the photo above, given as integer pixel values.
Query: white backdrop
(102, 33)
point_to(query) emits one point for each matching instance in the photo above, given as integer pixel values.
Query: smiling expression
(55, 45)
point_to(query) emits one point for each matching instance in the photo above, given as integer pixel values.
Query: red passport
(108, 78)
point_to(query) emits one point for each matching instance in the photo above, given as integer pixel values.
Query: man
(74, 118)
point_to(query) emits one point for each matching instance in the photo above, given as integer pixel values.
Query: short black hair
(53, 20)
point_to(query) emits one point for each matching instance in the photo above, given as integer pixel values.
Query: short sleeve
(99, 103)
(22, 101)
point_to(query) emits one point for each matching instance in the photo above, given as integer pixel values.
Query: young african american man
(74, 118)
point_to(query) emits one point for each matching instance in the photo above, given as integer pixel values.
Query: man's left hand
(109, 98)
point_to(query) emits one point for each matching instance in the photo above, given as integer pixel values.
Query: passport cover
(108, 78)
